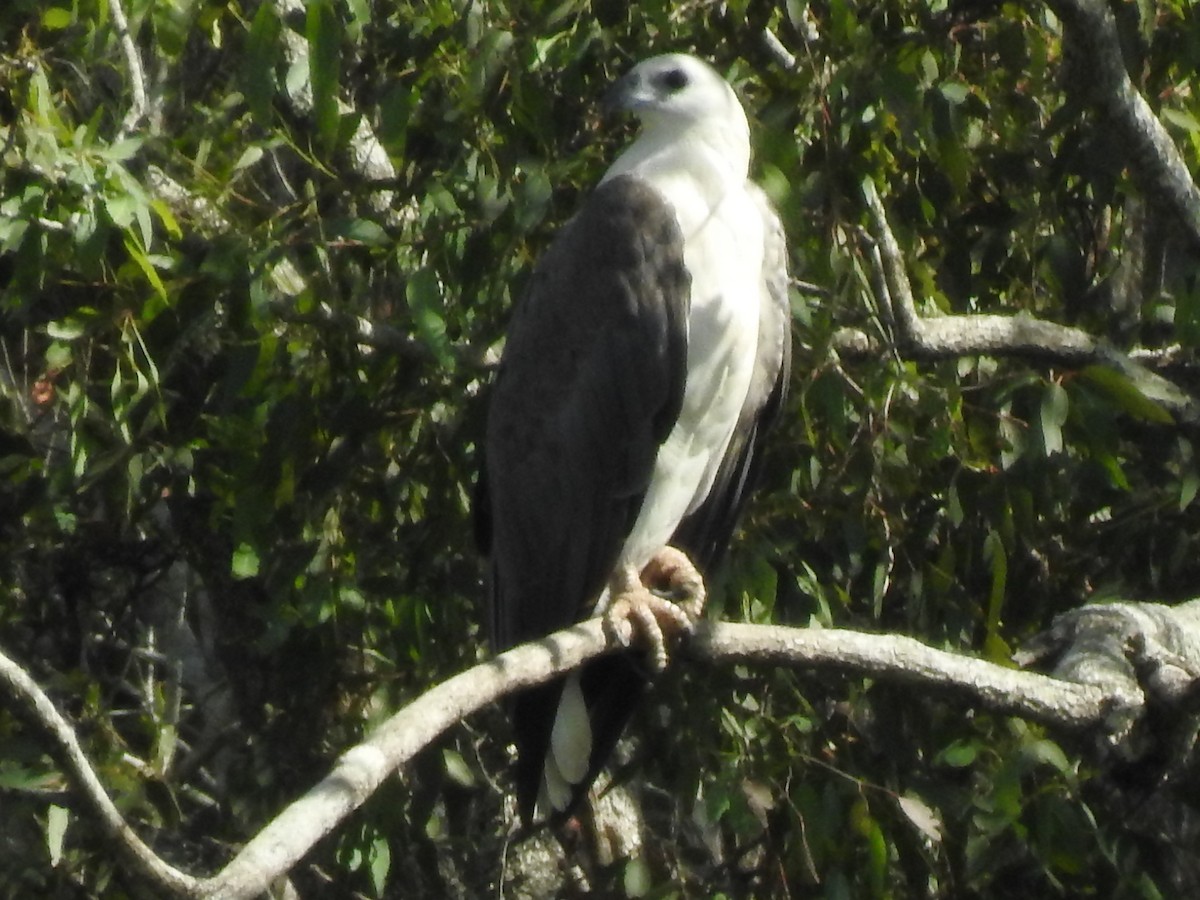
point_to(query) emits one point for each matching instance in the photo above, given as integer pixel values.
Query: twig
(366, 332)
(137, 73)
(783, 57)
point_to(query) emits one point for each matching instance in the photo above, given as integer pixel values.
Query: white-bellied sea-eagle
(642, 368)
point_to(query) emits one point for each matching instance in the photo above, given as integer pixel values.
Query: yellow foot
(637, 606)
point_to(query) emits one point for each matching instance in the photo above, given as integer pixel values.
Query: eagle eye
(673, 80)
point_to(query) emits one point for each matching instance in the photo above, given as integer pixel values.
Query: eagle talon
(647, 607)
(673, 574)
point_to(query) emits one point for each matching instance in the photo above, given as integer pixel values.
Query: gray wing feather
(590, 385)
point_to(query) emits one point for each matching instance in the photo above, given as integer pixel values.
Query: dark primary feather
(589, 387)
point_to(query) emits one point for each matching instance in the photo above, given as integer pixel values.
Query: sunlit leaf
(57, 820)
(457, 768)
(56, 17)
(381, 864)
(245, 562)
(1054, 410)
(921, 815)
(1123, 392)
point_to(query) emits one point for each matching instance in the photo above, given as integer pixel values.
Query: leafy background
(236, 531)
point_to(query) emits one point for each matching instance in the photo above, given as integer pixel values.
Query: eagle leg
(638, 605)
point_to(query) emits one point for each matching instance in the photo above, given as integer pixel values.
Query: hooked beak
(627, 94)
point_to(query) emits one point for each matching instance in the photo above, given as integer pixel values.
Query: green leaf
(249, 157)
(637, 880)
(997, 554)
(1050, 753)
(381, 864)
(55, 18)
(457, 769)
(167, 218)
(324, 33)
(959, 755)
(424, 294)
(258, 63)
(15, 777)
(1188, 486)
(245, 562)
(955, 92)
(139, 257)
(66, 329)
(1126, 395)
(1181, 118)
(363, 231)
(121, 150)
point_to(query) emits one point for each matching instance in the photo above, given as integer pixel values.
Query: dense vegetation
(255, 262)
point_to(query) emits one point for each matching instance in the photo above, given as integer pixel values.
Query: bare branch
(362, 769)
(1024, 336)
(782, 56)
(1154, 160)
(1105, 704)
(137, 72)
(908, 661)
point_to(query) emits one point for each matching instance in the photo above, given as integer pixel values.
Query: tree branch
(32, 703)
(905, 660)
(1022, 336)
(360, 770)
(137, 72)
(1106, 702)
(1154, 161)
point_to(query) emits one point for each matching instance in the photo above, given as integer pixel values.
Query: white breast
(723, 251)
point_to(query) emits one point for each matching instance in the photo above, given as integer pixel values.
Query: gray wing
(590, 385)
(705, 534)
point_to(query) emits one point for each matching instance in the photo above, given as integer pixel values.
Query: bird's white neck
(714, 157)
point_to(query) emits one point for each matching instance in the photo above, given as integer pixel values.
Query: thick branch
(906, 660)
(1154, 161)
(947, 337)
(1099, 704)
(362, 769)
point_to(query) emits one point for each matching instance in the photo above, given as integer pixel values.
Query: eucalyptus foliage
(236, 526)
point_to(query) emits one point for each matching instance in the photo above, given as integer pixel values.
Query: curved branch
(1154, 160)
(1101, 704)
(1023, 336)
(360, 770)
(31, 701)
(905, 660)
